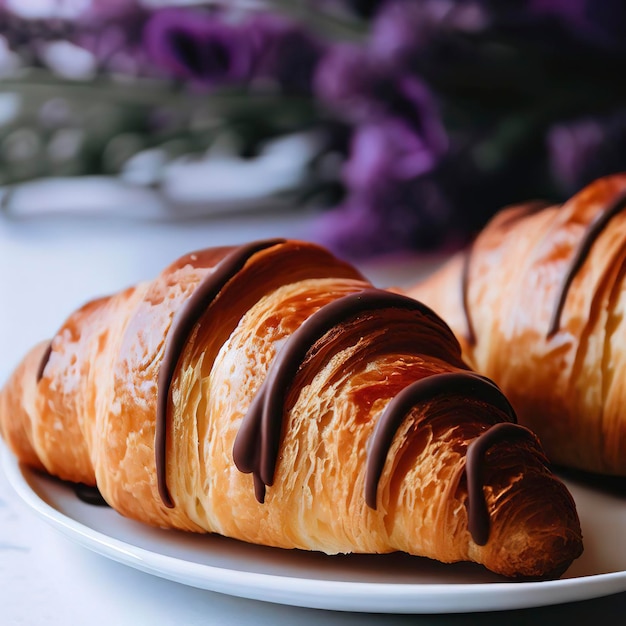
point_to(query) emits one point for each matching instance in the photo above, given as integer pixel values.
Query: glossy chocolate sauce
(593, 230)
(257, 442)
(466, 384)
(182, 325)
(470, 334)
(44, 361)
(529, 208)
(478, 522)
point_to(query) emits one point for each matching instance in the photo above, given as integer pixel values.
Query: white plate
(394, 583)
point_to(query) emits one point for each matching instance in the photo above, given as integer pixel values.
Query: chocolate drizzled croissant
(538, 303)
(269, 393)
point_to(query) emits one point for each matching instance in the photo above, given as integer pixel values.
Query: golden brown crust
(17, 411)
(568, 386)
(100, 385)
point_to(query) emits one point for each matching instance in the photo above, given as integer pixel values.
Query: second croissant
(539, 304)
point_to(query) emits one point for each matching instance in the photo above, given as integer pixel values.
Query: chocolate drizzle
(593, 230)
(257, 442)
(467, 384)
(182, 325)
(44, 361)
(256, 445)
(530, 208)
(470, 333)
(478, 522)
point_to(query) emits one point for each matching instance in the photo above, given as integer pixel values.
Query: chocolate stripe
(478, 522)
(182, 325)
(594, 228)
(256, 445)
(528, 209)
(470, 333)
(466, 384)
(44, 361)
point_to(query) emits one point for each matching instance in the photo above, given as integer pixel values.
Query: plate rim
(338, 595)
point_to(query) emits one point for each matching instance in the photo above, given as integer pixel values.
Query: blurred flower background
(399, 124)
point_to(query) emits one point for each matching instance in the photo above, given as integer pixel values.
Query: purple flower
(399, 133)
(366, 91)
(114, 35)
(586, 149)
(198, 46)
(412, 101)
(398, 140)
(387, 150)
(285, 53)
(345, 79)
(407, 216)
(403, 29)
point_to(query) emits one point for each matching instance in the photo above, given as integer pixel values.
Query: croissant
(269, 393)
(538, 302)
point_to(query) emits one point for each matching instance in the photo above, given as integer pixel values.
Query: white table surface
(47, 268)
